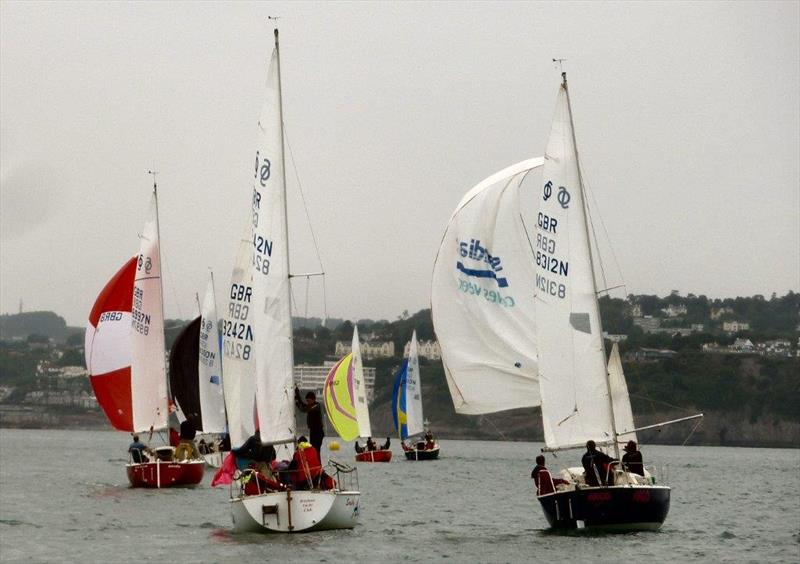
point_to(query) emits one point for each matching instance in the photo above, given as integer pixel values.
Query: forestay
(209, 365)
(270, 266)
(238, 345)
(148, 362)
(482, 301)
(572, 379)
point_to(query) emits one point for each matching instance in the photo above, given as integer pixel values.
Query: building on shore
(735, 326)
(369, 349)
(426, 349)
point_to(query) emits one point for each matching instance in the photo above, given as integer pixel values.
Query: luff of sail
(482, 304)
(148, 362)
(270, 268)
(623, 414)
(238, 342)
(572, 367)
(209, 369)
(108, 347)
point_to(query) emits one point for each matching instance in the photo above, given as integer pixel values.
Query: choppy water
(64, 497)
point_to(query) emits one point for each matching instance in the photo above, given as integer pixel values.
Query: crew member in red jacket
(305, 466)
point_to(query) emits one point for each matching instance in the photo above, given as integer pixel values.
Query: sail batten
(482, 303)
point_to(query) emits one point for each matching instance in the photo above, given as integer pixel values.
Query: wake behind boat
(504, 347)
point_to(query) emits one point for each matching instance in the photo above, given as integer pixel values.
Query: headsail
(399, 401)
(270, 268)
(407, 395)
(238, 345)
(108, 347)
(623, 414)
(212, 399)
(572, 367)
(148, 363)
(483, 307)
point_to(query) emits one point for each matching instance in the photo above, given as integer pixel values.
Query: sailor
(371, 444)
(359, 448)
(305, 466)
(429, 444)
(542, 478)
(137, 450)
(186, 448)
(596, 465)
(253, 450)
(387, 444)
(632, 459)
(313, 412)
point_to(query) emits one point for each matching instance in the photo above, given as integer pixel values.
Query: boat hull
(613, 508)
(415, 454)
(374, 456)
(160, 474)
(295, 511)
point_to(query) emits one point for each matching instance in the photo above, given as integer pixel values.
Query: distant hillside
(44, 323)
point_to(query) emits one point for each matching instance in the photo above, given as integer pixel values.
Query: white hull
(295, 511)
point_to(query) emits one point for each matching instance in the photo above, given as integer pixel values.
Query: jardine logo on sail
(474, 251)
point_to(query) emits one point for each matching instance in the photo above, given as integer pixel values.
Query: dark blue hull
(415, 454)
(622, 508)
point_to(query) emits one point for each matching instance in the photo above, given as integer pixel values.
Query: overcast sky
(687, 116)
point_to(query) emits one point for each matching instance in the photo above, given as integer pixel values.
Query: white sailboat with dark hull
(259, 336)
(504, 346)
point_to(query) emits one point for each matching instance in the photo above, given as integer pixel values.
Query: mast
(584, 214)
(285, 213)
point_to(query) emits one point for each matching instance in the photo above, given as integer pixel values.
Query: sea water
(64, 497)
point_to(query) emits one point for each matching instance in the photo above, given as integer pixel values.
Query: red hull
(374, 456)
(165, 474)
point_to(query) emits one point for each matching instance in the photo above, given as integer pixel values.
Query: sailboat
(407, 407)
(261, 338)
(345, 398)
(505, 347)
(125, 358)
(195, 376)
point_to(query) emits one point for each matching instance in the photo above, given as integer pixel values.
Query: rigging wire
(595, 206)
(310, 227)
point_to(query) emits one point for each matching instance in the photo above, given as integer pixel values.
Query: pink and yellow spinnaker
(339, 395)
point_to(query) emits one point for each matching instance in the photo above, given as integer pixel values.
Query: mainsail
(345, 395)
(407, 395)
(238, 345)
(108, 347)
(148, 367)
(271, 300)
(209, 360)
(482, 304)
(572, 366)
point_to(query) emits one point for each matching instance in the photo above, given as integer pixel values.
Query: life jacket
(307, 464)
(544, 481)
